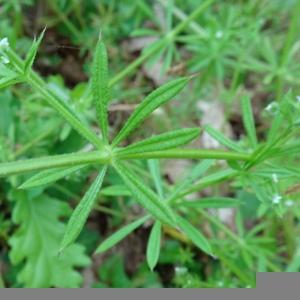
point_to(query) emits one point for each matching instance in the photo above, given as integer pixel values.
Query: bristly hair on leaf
(30, 57)
(155, 99)
(100, 89)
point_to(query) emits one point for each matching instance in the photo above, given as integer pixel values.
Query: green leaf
(153, 246)
(194, 235)
(145, 196)
(30, 57)
(54, 161)
(148, 105)
(35, 243)
(82, 211)
(48, 176)
(209, 180)
(162, 141)
(120, 235)
(115, 191)
(154, 168)
(223, 140)
(212, 202)
(100, 91)
(249, 121)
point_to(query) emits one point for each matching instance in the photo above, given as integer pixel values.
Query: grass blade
(149, 104)
(82, 211)
(120, 235)
(212, 202)
(194, 235)
(48, 176)
(223, 140)
(100, 91)
(145, 196)
(153, 246)
(163, 141)
(249, 121)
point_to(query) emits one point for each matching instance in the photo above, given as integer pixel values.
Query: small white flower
(275, 177)
(272, 108)
(4, 43)
(298, 99)
(289, 203)
(276, 199)
(219, 34)
(180, 270)
(4, 60)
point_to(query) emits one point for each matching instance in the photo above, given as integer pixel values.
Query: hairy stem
(54, 161)
(187, 154)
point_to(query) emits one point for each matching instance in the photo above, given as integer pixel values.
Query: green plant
(109, 154)
(257, 176)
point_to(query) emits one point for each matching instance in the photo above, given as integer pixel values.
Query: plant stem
(104, 157)
(54, 161)
(167, 39)
(53, 100)
(187, 154)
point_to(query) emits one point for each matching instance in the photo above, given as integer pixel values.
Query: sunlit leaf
(100, 89)
(162, 141)
(148, 105)
(223, 140)
(48, 176)
(212, 202)
(82, 211)
(248, 120)
(30, 57)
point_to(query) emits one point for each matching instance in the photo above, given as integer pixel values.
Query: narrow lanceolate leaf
(212, 202)
(195, 173)
(100, 90)
(30, 57)
(223, 140)
(120, 235)
(194, 235)
(249, 121)
(154, 168)
(48, 176)
(145, 196)
(162, 141)
(82, 211)
(153, 246)
(149, 104)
